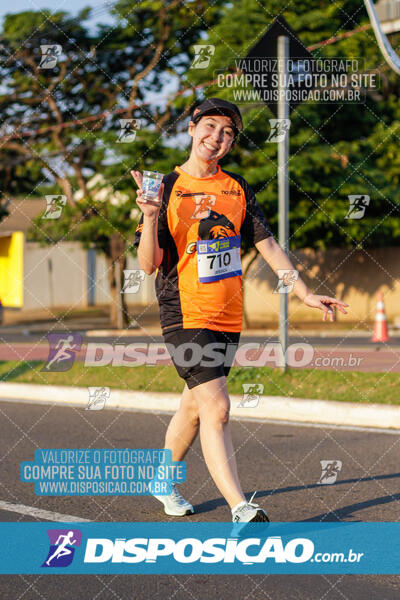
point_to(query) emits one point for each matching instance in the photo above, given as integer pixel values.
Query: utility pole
(281, 42)
(283, 184)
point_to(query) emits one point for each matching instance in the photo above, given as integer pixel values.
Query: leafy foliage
(336, 149)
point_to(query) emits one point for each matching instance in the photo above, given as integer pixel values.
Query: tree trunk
(118, 309)
(65, 185)
(124, 307)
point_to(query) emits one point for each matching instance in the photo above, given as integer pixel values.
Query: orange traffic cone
(380, 325)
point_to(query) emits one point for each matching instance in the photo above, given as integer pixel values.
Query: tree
(73, 109)
(336, 150)
(40, 99)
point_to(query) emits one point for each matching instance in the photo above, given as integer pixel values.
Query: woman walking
(199, 290)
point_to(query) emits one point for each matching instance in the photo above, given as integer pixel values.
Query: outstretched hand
(326, 304)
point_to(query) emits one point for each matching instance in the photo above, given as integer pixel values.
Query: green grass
(346, 386)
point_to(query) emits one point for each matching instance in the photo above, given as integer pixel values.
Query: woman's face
(213, 137)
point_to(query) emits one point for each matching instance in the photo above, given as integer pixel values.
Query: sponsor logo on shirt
(215, 226)
(183, 194)
(191, 248)
(232, 192)
(203, 202)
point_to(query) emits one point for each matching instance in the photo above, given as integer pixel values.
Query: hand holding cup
(149, 193)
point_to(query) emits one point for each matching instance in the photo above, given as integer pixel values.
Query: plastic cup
(151, 184)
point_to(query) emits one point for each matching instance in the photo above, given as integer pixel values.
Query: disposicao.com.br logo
(208, 548)
(247, 551)
(191, 550)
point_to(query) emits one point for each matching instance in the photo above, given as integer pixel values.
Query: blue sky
(71, 6)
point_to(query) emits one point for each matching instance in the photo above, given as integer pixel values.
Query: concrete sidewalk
(276, 408)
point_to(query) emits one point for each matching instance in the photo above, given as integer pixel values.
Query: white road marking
(48, 515)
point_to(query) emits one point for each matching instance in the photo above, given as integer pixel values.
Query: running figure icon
(330, 471)
(63, 544)
(62, 549)
(62, 351)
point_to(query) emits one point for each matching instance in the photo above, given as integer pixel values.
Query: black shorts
(194, 356)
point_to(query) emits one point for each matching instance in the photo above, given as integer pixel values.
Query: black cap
(217, 106)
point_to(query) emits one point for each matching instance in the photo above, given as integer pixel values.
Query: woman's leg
(183, 427)
(213, 404)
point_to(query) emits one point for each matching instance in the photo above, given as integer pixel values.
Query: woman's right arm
(150, 254)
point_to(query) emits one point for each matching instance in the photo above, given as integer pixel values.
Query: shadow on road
(339, 514)
(346, 512)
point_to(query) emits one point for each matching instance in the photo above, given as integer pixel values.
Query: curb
(276, 408)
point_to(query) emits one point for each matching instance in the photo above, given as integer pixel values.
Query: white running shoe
(250, 513)
(175, 505)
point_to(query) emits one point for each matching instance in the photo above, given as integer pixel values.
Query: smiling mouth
(210, 147)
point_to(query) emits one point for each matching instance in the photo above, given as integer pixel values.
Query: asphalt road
(282, 462)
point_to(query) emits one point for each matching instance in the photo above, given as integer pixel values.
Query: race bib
(218, 259)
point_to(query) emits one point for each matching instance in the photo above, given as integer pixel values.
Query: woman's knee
(216, 411)
(213, 401)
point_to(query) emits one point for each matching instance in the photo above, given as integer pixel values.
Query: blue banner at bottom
(208, 548)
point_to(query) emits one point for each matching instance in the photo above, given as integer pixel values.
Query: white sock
(242, 503)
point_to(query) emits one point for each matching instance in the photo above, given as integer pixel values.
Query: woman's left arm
(273, 254)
